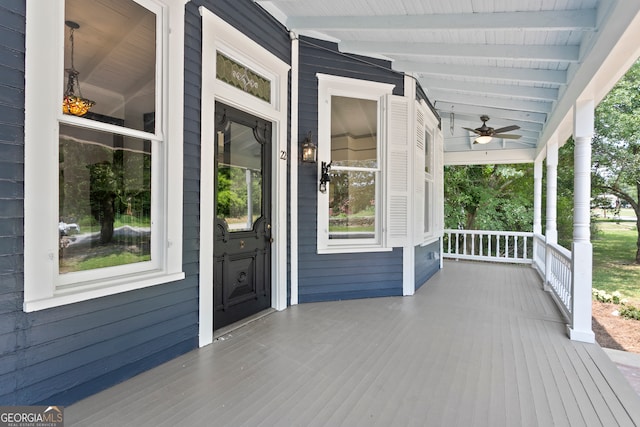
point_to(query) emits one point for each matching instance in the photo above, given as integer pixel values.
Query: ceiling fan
(486, 133)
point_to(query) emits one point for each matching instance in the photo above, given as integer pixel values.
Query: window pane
(352, 205)
(239, 187)
(104, 199)
(427, 207)
(115, 57)
(354, 128)
(427, 152)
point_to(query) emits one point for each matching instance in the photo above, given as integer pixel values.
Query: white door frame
(218, 36)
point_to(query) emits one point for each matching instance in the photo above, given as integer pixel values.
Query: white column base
(582, 336)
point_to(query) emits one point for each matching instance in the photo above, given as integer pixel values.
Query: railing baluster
(489, 249)
(495, 246)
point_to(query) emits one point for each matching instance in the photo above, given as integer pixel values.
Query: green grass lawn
(614, 249)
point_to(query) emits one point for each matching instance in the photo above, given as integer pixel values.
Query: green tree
(489, 197)
(564, 197)
(616, 143)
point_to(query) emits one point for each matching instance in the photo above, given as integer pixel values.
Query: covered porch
(480, 344)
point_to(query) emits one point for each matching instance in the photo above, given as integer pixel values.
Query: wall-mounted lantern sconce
(309, 150)
(324, 176)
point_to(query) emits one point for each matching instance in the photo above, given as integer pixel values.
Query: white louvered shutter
(418, 175)
(397, 171)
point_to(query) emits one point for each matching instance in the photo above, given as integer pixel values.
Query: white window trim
(330, 85)
(433, 179)
(43, 287)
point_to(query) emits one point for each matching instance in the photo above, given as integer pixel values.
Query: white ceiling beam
(555, 53)
(512, 91)
(475, 99)
(566, 20)
(484, 157)
(479, 110)
(460, 119)
(512, 74)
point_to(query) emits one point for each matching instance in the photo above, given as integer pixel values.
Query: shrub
(630, 312)
(627, 311)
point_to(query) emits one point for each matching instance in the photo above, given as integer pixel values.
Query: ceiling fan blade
(506, 129)
(507, 136)
(472, 130)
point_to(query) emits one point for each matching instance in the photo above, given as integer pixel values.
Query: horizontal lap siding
(12, 320)
(427, 262)
(336, 276)
(60, 355)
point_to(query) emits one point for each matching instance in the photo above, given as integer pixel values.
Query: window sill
(352, 249)
(84, 292)
(429, 240)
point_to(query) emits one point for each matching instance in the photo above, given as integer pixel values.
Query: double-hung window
(429, 174)
(350, 212)
(100, 207)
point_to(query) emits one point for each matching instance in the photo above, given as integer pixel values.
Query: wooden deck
(478, 345)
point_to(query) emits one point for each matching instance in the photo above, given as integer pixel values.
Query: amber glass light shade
(75, 105)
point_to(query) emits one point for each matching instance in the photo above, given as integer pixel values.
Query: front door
(242, 231)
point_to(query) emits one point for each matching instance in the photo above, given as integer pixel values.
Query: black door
(242, 232)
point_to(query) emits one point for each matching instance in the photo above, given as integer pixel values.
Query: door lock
(241, 244)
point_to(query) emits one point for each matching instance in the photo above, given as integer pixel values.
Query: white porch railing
(539, 253)
(494, 246)
(551, 261)
(559, 277)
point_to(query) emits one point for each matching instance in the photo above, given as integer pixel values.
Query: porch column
(551, 227)
(537, 197)
(581, 329)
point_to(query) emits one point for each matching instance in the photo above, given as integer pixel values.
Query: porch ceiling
(521, 62)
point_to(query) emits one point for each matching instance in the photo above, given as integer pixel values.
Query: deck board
(480, 344)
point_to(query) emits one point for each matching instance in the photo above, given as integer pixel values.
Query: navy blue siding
(427, 262)
(337, 276)
(63, 354)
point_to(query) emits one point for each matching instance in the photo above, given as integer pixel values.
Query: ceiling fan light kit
(483, 139)
(486, 133)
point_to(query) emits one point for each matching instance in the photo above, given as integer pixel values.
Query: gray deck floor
(478, 345)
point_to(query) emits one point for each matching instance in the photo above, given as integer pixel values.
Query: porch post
(581, 328)
(551, 228)
(537, 197)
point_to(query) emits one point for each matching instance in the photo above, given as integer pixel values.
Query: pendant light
(73, 102)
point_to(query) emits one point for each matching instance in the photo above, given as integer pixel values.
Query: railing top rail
(560, 249)
(491, 232)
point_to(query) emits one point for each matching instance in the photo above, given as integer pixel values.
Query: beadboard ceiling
(521, 62)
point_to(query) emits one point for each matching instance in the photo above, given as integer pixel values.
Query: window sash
(329, 86)
(44, 286)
